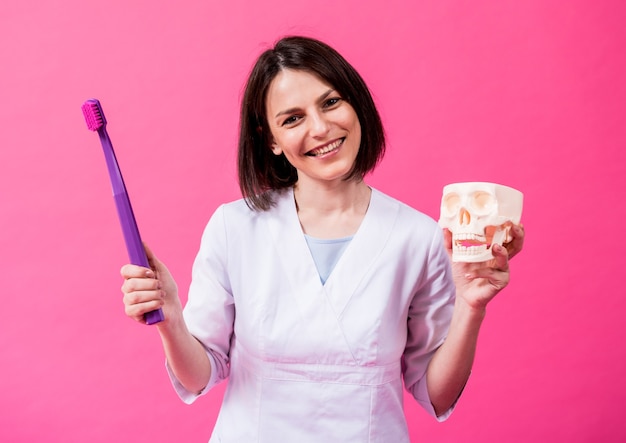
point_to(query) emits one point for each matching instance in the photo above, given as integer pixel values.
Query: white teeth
(326, 149)
(472, 250)
(469, 236)
(461, 250)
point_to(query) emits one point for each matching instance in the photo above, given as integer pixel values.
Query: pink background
(527, 93)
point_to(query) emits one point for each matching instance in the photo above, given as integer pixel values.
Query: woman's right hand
(148, 289)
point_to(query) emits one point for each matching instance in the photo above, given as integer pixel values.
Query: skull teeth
(469, 250)
(470, 236)
(469, 244)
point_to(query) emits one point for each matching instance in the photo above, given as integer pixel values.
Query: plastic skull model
(479, 215)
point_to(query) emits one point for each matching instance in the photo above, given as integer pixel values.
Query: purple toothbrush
(94, 116)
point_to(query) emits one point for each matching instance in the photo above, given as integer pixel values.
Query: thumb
(447, 241)
(153, 261)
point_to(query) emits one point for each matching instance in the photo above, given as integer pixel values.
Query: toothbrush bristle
(94, 117)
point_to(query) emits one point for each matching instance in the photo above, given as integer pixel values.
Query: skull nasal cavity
(464, 217)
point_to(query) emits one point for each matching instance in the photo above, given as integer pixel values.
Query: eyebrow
(320, 99)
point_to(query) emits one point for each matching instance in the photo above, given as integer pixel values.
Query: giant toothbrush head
(94, 116)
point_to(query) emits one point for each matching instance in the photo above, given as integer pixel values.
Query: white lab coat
(313, 362)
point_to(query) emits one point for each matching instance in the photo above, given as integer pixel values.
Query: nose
(319, 126)
(464, 217)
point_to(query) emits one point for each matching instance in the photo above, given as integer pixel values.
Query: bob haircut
(259, 169)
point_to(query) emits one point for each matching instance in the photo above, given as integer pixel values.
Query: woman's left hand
(478, 283)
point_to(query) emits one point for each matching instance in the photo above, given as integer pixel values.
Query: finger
(137, 310)
(447, 238)
(140, 297)
(153, 261)
(517, 243)
(140, 284)
(501, 257)
(134, 271)
(494, 277)
(447, 242)
(496, 270)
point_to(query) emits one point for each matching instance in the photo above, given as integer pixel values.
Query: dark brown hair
(260, 170)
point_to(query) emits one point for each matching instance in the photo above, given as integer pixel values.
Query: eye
(291, 120)
(331, 102)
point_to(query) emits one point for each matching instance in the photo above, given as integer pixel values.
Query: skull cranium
(479, 215)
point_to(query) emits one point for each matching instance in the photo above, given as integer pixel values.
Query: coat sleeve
(429, 319)
(210, 310)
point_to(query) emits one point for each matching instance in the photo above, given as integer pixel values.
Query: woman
(316, 295)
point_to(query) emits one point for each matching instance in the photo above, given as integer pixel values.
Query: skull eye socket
(482, 203)
(450, 204)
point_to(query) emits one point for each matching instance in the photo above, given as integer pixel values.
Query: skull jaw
(476, 248)
(473, 254)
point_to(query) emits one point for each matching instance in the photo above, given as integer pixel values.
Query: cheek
(356, 132)
(289, 140)
(351, 121)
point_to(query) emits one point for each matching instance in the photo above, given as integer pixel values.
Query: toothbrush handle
(134, 245)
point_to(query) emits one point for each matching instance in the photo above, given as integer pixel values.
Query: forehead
(291, 88)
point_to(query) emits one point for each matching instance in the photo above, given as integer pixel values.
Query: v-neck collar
(351, 268)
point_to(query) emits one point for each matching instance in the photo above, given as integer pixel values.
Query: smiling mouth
(326, 149)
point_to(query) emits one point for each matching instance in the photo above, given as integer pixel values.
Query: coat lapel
(355, 263)
(293, 251)
(361, 255)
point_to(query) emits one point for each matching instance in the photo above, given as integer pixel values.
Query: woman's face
(311, 124)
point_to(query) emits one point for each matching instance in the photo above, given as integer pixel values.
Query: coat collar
(353, 266)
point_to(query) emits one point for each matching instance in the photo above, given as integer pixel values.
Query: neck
(334, 197)
(332, 210)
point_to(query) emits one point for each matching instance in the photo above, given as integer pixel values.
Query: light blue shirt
(326, 253)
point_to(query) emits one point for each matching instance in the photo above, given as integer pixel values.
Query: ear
(273, 146)
(276, 149)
